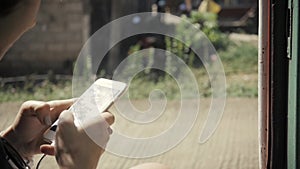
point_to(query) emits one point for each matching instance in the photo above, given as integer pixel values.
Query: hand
(32, 120)
(73, 148)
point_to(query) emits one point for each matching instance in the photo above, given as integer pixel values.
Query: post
(263, 81)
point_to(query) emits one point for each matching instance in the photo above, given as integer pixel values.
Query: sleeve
(3, 162)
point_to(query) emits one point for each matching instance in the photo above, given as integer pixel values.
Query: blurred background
(40, 64)
(48, 51)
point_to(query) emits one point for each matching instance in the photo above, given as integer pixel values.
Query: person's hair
(6, 6)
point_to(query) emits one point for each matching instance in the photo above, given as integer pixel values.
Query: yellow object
(209, 6)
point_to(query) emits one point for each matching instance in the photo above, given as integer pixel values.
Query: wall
(53, 44)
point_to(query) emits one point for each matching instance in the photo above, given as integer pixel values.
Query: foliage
(208, 24)
(30, 90)
(240, 58)
(239, 61)
(198, 40)
(186, 37)
(240, 65)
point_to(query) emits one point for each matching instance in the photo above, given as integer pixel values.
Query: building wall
(53, 44)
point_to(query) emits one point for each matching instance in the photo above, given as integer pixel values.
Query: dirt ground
(234, 145)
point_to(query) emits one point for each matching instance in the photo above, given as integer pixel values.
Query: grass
(239, 61)
(240, 66)
(43, 91)
(240, 58)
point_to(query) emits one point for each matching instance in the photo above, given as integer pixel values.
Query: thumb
(58, 106)
(108, 117)
(47, 149)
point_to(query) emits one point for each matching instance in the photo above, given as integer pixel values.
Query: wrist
(11, 137)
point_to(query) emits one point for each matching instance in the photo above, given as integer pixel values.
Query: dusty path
(233, 145)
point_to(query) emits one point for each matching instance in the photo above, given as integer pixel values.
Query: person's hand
(32, 120)
(73, 148)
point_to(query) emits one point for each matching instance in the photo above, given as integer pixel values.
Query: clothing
(3, 162)
(10, 158)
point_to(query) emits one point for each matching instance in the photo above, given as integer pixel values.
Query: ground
(234, 145)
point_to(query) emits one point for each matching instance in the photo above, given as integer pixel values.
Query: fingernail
(48, 120)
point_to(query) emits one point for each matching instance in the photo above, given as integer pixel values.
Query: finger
(66, 118)
(108, 117)
(103, 121)
(39, 109)
(66, 130)
(66, 122)
(98, 128)
(57, 106)
(47, 149)
(61, 104)
(43, 113)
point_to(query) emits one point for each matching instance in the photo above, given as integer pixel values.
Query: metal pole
(263, 81)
